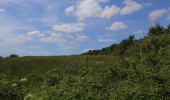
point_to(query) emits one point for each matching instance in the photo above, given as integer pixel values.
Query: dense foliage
(158, 37)
(130, 70)
(13, 55)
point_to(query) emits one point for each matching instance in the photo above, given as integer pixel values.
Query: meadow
(131, 70)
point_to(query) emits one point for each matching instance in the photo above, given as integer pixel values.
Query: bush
(13, 56)
(156, 30)
(10, 92)
(1, 57)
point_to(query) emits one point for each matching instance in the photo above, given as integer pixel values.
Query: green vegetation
(13, 55)
(131, 70)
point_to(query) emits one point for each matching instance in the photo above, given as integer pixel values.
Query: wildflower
(23, 79)
(28, 97)
(13, 85)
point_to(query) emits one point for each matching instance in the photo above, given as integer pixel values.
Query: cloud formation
(88, 8)
(69, 10)
(92, 8)
(62, 24)
(109, 11)
(130, 7)
(157, 14)
(33, 33)
(117, 26)
(106, 40)
(69, 27)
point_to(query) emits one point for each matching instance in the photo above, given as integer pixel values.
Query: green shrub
(13, 56)
(8, 91)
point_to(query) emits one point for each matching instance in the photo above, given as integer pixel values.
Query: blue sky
(64, 27)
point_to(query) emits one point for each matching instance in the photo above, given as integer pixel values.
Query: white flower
(23, 79)
(28, 97)
(13, 85)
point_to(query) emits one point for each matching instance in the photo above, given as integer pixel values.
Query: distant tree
(126, 44)
(156, 30)
(131, 38)
(1, 57)
(13, 55)
(168, 29)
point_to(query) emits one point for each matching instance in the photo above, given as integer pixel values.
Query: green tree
(168, 29)
(131, 38)
(13, 55)
(1, 58)
(156, 30)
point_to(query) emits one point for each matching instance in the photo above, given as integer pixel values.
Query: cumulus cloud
(110, 11)
(130, 7)
(33, 33)
(69, 10)
(117, 26)
(64, 41)
(69, 27)
(53, 38)
(81, 37)
(93, 8)
(157, 14)
(88, 8)
(21, 38)
(14, 30)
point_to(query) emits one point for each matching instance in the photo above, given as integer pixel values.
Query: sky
(66, 27)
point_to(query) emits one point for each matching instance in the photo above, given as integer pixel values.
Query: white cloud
(33, 33)
(110, 11)
(53, 38)
(19, 39)
(69, 10)
(105, 40)
(157, 13)
(81, 38)
(93, 8)
(10, 28)
(64, 41)
(130, 7)
(117, 26)
(15, 34)
(88, 8)
(58, 39)
(69, 27)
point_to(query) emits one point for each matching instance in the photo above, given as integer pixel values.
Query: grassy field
(82, 78)
(130, 70)
(19, 67)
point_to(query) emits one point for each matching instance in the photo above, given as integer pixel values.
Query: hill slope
(158, 37)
